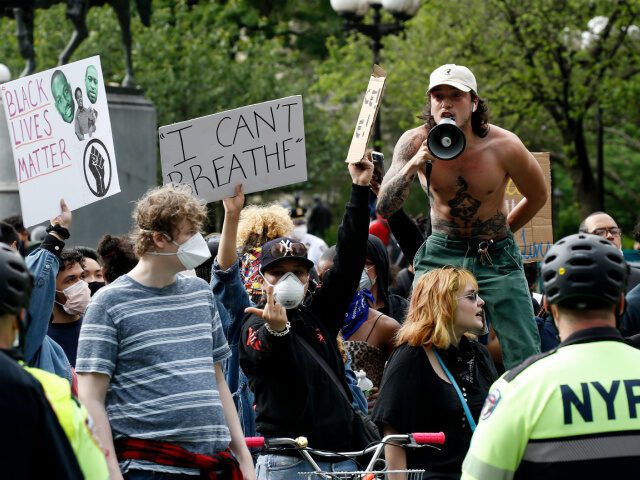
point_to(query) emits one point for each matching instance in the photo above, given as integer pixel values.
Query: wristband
(63, 232)
(287, 327)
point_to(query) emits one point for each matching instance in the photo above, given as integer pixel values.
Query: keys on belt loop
(483, 251)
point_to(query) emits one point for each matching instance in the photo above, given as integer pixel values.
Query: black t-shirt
(413, 398)
(34, 445)
(66, 335)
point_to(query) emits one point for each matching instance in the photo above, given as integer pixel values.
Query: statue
(23, 12)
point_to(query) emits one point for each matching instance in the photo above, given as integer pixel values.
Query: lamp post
(354, 11)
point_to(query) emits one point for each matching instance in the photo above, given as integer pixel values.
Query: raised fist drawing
(96, 166)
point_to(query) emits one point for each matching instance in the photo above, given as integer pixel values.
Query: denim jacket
(229, 290)
(40, 351)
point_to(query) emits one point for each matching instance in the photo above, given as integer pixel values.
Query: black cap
(289, 248)
(584, 272)
(16, 281)
(297, 212)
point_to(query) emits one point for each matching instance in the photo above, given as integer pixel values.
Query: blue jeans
(282, 467)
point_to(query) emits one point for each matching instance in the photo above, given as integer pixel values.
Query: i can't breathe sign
(260, 146)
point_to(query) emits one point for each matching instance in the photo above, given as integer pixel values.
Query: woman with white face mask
(294, 394)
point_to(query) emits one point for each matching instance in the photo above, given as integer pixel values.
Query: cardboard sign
(260, 146)
(61, 139)
(536, 237)
(367, 117)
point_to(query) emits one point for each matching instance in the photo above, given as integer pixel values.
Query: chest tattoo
(463, 206)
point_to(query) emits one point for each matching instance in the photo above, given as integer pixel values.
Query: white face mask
(288, 291)
(192, 253)
(299, 232)
(78, 296)
(365, 280)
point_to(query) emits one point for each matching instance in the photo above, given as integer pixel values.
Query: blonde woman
(417, 394)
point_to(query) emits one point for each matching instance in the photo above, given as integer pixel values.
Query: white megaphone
(446, 140)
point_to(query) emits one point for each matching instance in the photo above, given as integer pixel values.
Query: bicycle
(371, 472)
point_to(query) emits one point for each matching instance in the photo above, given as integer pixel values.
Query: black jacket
(293, 394)
(35, 445)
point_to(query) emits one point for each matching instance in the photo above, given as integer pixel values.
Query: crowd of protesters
(155, 354)
(178, 347)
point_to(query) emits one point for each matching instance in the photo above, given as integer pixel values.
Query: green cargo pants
(501, 284)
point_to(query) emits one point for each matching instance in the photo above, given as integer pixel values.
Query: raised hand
(361, 172)
(273, 313)
(64, 218)
(233, 205)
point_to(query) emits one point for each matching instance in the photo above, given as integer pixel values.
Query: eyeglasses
(286, 248)
(603, 232)
(473, 296)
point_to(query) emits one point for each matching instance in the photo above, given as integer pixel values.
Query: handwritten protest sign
(61, 139)
(260, 146)
(367, 117)
(536, 237)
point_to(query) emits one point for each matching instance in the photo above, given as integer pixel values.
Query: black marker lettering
(218, 132)
(284, 153)
(184, 155)
(195, 179)
(217, 169)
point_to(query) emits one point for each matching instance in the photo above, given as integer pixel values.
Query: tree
(544, 65)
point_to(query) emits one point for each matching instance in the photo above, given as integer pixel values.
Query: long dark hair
(479, 118)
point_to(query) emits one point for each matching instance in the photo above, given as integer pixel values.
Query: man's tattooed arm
(397, 182)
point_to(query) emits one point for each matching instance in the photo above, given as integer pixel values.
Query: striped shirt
(158, 346)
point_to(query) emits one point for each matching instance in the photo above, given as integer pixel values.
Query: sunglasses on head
(288, 249)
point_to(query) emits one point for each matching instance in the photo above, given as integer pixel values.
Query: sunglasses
(473, 296)
(603, 232)
(288, 249)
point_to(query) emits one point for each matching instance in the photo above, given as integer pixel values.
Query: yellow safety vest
(75, 422)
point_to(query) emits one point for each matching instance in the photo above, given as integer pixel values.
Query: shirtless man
(471, 225)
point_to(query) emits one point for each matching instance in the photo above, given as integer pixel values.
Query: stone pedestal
(134, 128)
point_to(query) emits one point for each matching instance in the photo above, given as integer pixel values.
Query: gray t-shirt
(159, 346)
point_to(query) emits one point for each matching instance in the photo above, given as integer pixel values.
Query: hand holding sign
(361, 172)
(64, 218)
(233, 205)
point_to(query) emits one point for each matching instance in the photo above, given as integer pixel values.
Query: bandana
(357, 312)
(251, 271)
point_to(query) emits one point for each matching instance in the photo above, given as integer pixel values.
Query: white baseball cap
(457, 76)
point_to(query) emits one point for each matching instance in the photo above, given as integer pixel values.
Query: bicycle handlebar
(255, 442)
(301, 442)
(432, 438)
(301, 445)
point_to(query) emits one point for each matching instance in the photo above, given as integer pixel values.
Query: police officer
(572, 412)
(43, 436)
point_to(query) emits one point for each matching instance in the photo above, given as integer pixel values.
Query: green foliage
(542, 78)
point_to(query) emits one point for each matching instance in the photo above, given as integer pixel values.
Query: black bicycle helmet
(15, 281)
(584, 272)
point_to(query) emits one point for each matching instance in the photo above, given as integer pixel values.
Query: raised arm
(227, 250)
(409, 155)
(44, 264)
(527, 176)
(340, 282)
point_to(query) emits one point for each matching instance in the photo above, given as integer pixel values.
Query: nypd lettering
(581, 401)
